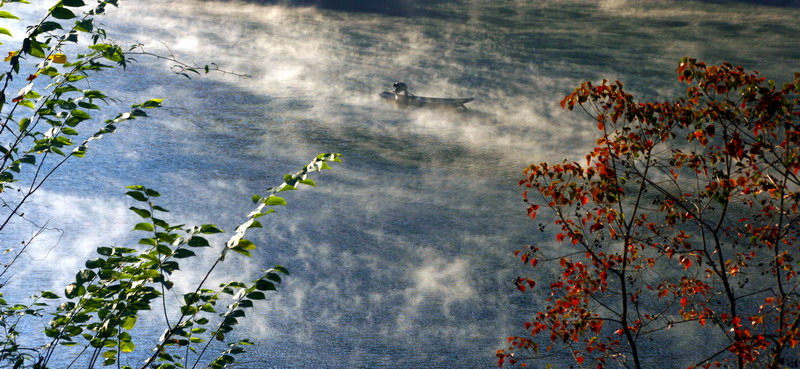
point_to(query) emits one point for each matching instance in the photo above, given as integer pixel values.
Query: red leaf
(686, 262)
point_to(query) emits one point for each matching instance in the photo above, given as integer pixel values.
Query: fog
(402, 256)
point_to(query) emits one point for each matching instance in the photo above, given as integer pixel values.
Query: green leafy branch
(242, 246)
(105, 300)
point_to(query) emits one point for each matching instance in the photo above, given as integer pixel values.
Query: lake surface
(402, 256)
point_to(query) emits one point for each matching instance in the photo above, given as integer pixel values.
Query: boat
(420, 101)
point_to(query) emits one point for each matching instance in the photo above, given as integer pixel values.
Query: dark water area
(402, 256)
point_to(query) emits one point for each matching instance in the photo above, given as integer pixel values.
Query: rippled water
(402, 257)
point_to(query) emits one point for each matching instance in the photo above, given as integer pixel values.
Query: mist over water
(402, 256)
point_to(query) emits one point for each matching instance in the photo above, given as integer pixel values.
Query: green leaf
(209, 229)
(94, 94)
(137, 195)
(166, 237)
(259, 215)
(62, 13)
(73, 3)
(49, 295)
(197, 241)
(152, 258)
(263, 285)
(80, 114)
(243, 252)
(245, 245)
(170, 266)
(87, 105)
(147, 274)
(144, 227)
(127, 346)
(84, 25)
(50, 71)
(158, 208)
(69, 131)
(141, 212)
(129, 322)
(36, 49)
(27, 104)
(183, 253)
(256, 295)
(32, 95)
(148, 241)
(24, 123)
(152, 103)
(5, 32)
(287, 187)
(73, 290)
(74, 77)
(95, 263)
(188, 310)
(191, 298)
(87, 275)
(281, 269)
(48, 26)
(275, 200)
(28, 159)
(7, 15)
(164, 250)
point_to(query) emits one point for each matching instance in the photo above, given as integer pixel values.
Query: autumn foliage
(685, 213)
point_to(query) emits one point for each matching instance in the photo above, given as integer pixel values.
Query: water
(402, 257)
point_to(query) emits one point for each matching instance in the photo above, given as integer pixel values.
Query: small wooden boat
(419, 101)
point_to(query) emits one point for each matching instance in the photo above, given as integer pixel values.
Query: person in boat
(401, 92)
